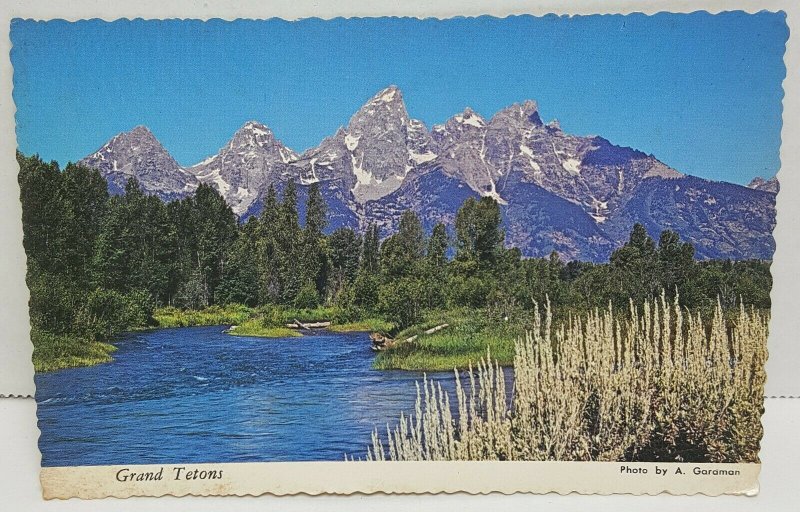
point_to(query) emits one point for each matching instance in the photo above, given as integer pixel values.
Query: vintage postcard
(522, 254)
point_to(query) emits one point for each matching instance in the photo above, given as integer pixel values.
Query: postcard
(400, 255)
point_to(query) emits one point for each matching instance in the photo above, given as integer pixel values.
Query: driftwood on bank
(381, 342)
(297, 324)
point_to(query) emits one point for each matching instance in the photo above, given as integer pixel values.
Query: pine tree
(437, 246)
(288, 244)
(676, 267)
(370, 251)
(635, 268)
(85, 196)
(266, 251)
(435, 275)
(43, 209)
(401, 252)
(344, 246)
(313, 250)
(240, 278)
(214, 230)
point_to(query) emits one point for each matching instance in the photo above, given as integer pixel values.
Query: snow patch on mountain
(222, 186)
(351, 142)
(422, 158)
(572, 165)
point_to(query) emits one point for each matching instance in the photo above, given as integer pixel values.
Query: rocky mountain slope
(244, 168)
(139, 154)
(575, 195)
(770, 185)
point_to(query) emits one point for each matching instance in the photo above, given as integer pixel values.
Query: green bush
(307, 297)
(401, 301)
(469, 291)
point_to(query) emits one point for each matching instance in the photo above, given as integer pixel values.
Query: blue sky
(701, 92)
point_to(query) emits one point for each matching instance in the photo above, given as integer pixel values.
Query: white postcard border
(16, 369)
(475, 477)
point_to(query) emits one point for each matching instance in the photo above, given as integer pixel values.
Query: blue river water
(197, 395)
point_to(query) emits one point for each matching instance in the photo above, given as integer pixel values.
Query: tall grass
(56, 351)
(463, 342)
(212, 315)
(657, 385)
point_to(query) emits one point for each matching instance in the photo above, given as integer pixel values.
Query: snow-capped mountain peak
(138, 154)
(245, 166)
(575, 194)
(374, 153)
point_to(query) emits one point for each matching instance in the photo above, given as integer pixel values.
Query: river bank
(195, 394)
(268, 322)
(54, 352)
(465, 340)
(58, 351)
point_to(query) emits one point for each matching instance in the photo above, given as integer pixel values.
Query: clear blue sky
(701, 92)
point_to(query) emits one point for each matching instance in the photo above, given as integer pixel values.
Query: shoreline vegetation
(267, 322)
(54, 352)
(658, 383)
(102, 264)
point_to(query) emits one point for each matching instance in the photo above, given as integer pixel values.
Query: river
(197, 395)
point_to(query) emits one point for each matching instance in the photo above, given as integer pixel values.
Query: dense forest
(99, 265)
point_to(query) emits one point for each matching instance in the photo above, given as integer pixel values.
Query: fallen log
(429, 331)
(380, 342)
(297, 324)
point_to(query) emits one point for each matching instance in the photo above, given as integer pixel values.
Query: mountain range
(576, 195)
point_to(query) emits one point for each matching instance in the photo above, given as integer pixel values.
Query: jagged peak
(386, 101)
(254, 133)
(388, 95)
(139, 132)
(137, 135)
(387, 104)
(253, 124)
(554, 125)
(527, 111)
(255, 128)
(770, 185)
(141, 129)
(469, 117)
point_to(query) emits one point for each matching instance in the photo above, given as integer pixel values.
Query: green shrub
(307, 297)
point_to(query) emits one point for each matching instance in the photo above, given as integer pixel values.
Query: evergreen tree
(344, 246)
(85, 196)
(214, 229)
(479, 236)
(266, 251)
(634, 269)
(401, 252)
(370, 252)
(313, 251)
(435, 274)
(437, 246)
(676, 266)
(240, 277)
(43, 208)
(287, 246)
